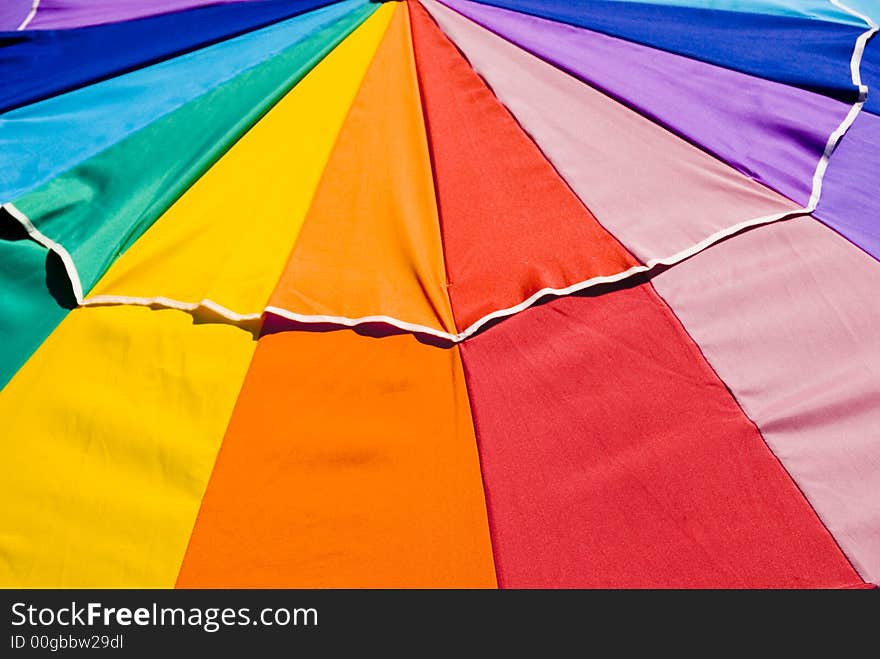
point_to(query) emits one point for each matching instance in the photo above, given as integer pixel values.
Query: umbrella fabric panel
(850, 203)
(613, 456)
(870, 70)
(42, 140)
(64, 14)
(787, 316)
(99, 208)
(653, 191)
(771, 132)
(42, 63)
(801, 52)
(865, 7)
(350, 461)
(370, 245)
(228, 237)
(510, 224)
(110, 433)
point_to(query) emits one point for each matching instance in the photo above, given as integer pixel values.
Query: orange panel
(349, 462)
(370, 244)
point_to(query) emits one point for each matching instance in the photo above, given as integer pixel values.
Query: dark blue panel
(37, 64)
(806, 53)
(870, 70)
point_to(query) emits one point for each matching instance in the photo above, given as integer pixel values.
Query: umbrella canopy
(508, 293)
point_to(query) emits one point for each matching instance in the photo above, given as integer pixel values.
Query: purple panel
(60, 14)
(12, 13)
(772, 132)
(850, 201)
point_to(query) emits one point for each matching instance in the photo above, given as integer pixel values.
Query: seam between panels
(673, 319)
(31, 14)
(429, 146)
(220, 449)
(499, 574)
(432, 162)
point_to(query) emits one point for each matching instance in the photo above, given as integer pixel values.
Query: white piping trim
(27, 19)
(165, 302)
(855, 64)
(859, 50)
(345, 321)
(532, 299)
(51, 245)
(415, 328)
(830, 146)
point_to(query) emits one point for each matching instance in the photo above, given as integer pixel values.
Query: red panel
(613, 456)
(511, 226)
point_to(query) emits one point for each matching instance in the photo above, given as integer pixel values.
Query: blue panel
(38, 64)
(870, 70)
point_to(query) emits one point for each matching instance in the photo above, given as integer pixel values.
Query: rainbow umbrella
(517, 293)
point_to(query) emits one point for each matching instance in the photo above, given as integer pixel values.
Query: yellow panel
(109, 434)
(228, 238)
